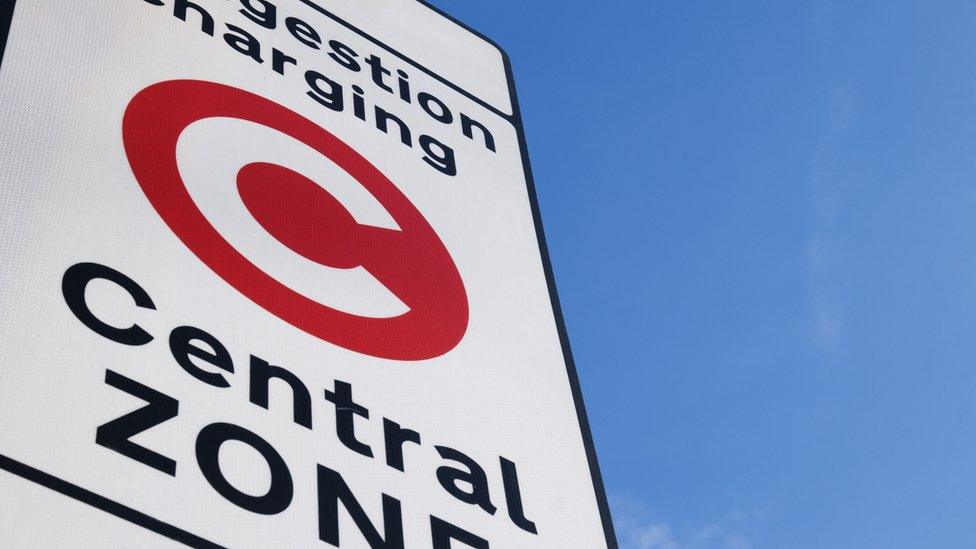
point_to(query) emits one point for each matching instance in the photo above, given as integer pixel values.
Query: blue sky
(761, 217)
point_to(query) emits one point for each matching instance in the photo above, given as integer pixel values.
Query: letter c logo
(412, 262)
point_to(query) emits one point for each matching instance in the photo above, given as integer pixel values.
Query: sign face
(273, 276)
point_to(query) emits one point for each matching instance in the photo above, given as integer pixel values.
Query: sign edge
(584, 423)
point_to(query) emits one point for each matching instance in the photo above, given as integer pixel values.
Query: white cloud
(639, 528)
(828, 195)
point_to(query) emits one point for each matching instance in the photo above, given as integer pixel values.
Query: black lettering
(279, 494)
(377, 71)
(358, 102)
(438, 155)
(403, 84)
(115, 434)
(442, 532)
(243, 42)
(467, 123)
(266, 16)
(474, 475)
(382, 117)
(303, 32)
(181, 345)
(443, 115)
(279, 59)
(207, 20)
(261, 374)
(333, 489)
(346, 412)
(73, 286)
(513, 497)
(332, 98)
(394, 437)
(344, 55)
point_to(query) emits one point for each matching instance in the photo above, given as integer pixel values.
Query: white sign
(272, 275)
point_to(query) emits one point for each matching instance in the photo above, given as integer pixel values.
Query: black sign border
(141, 519)
(557, 311)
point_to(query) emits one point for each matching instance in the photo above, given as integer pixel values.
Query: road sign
(273, 275)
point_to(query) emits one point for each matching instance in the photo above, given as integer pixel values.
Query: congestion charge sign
(273, 275)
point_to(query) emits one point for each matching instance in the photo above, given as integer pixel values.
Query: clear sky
(761, 218)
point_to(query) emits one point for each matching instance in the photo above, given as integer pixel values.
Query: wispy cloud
(638, 527)
(827, 191)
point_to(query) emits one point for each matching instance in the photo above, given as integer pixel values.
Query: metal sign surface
(273, 275)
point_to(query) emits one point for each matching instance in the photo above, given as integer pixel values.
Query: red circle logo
(412, 262)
